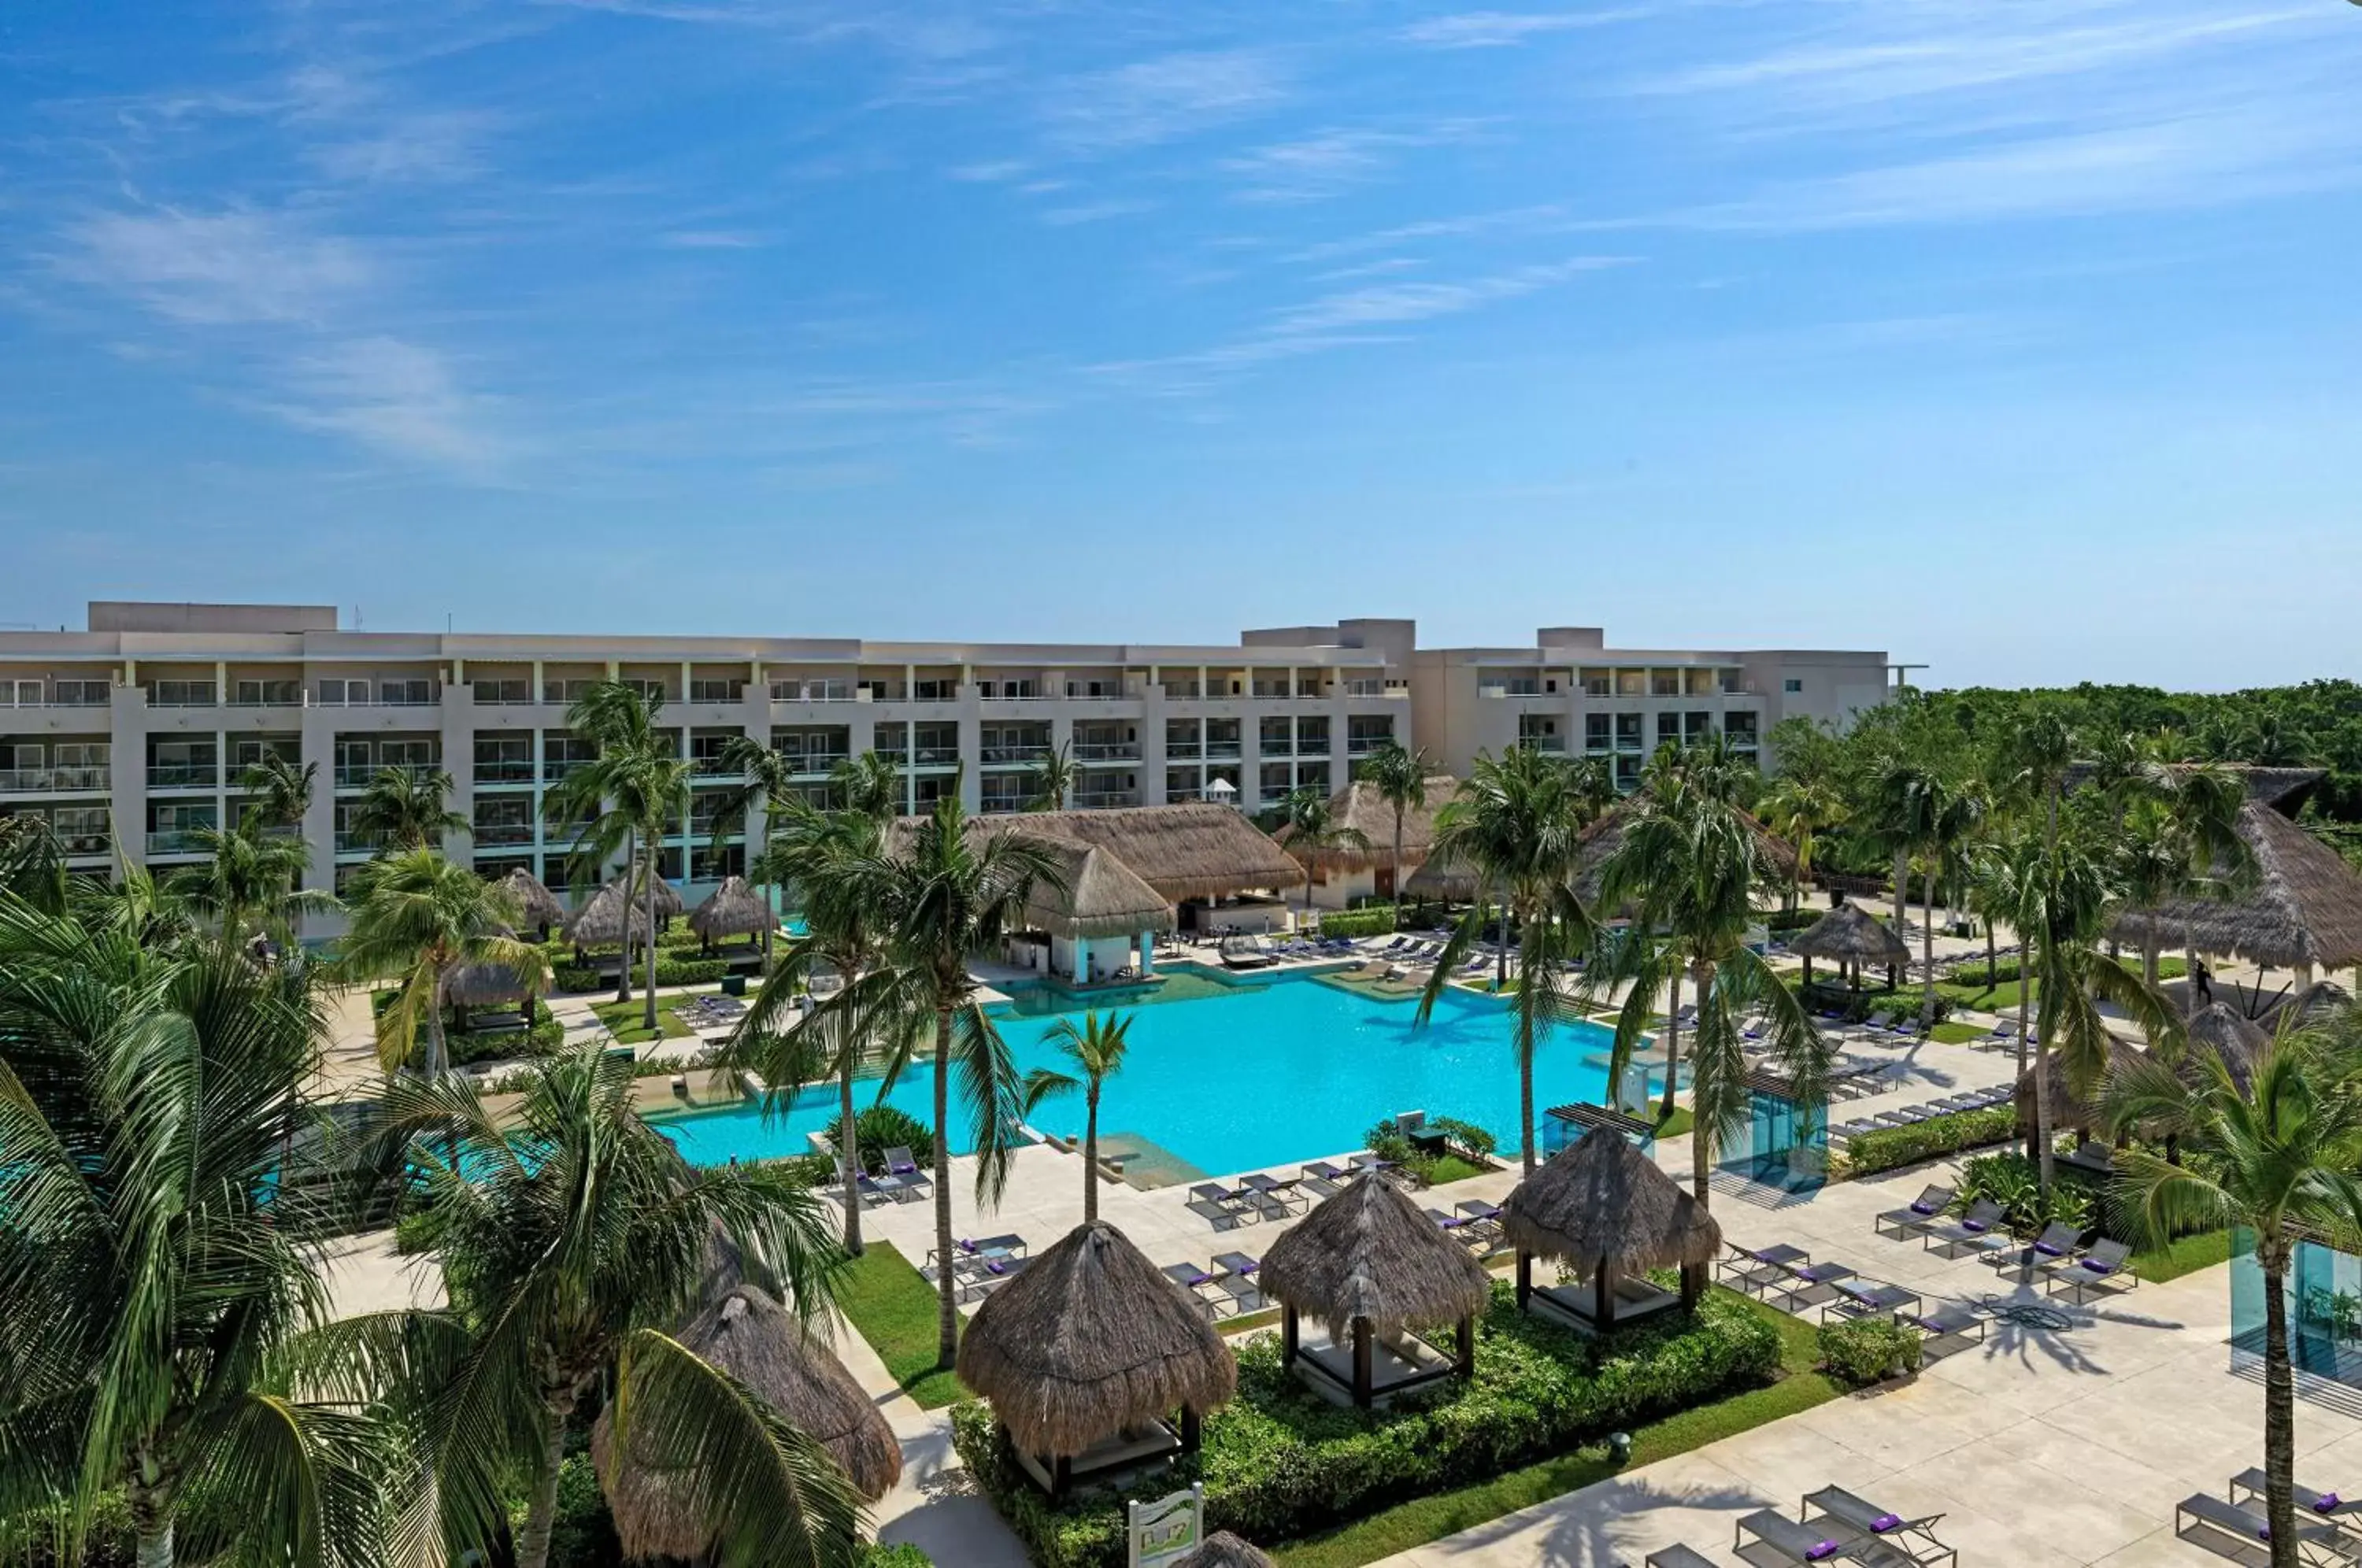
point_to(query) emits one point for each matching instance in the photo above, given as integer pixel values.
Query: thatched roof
(1224, 1550)
(733, 909)
(669, 902)
(1090, 1340)
(2222, 1029)
(484, 985)
(1852, 935)
(1359, 806)
(536, 905)
(2305, 906)
(2068, 1109)
(1601, 1200)
(759, 1342)
(1103, 896)
(1776, 861)
(1191, 851)
(1441, 880)
(1367, 1252)
(599, 921)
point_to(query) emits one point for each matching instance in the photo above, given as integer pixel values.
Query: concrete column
(459, 762)
(1082, 961)
(1152, 743)
(971, 747)
(319, 747)
(127, 769)
(1250, 755)
(1147, 953)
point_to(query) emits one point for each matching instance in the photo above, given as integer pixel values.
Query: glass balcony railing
(358, 776)
(554, 768)
(175, 840)
(1002, 756)
(496, 833)
(509, 771)
(1230, 750)
(184, 775)
(1107, 751)
(1552, 745)
(349, 842)
(1095, 800)
(52, 780)
(1367, 745)
(812, 763)
(936, 756)
(86, 843)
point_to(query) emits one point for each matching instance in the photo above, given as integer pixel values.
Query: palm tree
(250, 875)
(1313, 830)
(1096, 1050)
(1518, 819)
(765, 781)
(403, 808)
(1053, 780)
(1399, 775)
(1686, 865)
(156, 1283)
(868, 784)
(1904, 791)
(941, 899)
(2201, 803)
(1800, 808)
(416, 917)
(283, 789)
(1949, 822)
(572, 1240)
(628, 797)
(2282, 1149)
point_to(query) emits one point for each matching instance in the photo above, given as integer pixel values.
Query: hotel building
(129, 736)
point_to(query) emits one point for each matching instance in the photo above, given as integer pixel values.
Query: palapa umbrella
(1224, 1550)
(1603, 1207)
(1850, 936)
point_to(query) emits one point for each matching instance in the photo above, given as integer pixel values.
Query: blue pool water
(1243, 1076)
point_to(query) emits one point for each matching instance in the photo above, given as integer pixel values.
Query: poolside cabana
(1348, 872)
(537, 907)
(2071, 1109)
(1087, 1353)
(754, 1338)
(605, 918)
(469, 986)
(2222, 1030)
(1853, 939)
(1373, 1270)
(734, 909)
(1605, 1210)
(1224, 1550)
(1106, 922)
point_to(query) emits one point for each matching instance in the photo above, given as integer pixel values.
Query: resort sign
(1166, 1530)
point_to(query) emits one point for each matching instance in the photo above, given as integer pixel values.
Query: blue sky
(2017, 337)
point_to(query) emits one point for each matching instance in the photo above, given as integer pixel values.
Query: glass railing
(1094, 799)
(1367, 745)
(1278, 748)
(520, 771)
(812, 762)
(555, 769)
(347, 842)
(1553, 744)
(356, 776)
(997, 755)
(937, 757)
(52, 780)
(502, 833)
(184, 775)
(175, 840)
(86, 843)
(1107, 751)
(1224, 750)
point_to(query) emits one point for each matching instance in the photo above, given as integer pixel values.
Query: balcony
(1014, 756)
(53, 781)
(1276, 749)
(350, 842)
(184, 775)
(935, 756)
(1096, 800)
(491, 834)
(555, 769)
(1107, 751)
(1224, 751)
(813, 691)
(177, 840)
(354, 775)
(520, 771)
(1376, 688)
(78, 844)
(1367, 745)
(1550, 746)
(813, 764)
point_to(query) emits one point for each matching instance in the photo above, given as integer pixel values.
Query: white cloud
(1094, 212)
(1329, 161)
(221, 269)
(1379, 304)
(432, 146)
(1503, 29)
(397, 397)
(1161, 100)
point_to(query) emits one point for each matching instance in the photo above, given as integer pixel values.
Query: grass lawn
(2183, 1255)
(623, 1019)
(1450, 1168)
(1947, 1033)
(1997, 998)
(1424, 1519)
(891, 1306)
(1677, 1123)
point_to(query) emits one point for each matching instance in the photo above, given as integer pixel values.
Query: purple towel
(2097, 1267)
(1819, 1550)
(996, 1267)
(1927, 1209)
(2325, 1504)
(1974, 1225)
(902, 1170)
(2047, 1250)
(1884, 1522)
(1201, 1278)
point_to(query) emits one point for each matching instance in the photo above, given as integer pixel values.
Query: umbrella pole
(1361, 1363)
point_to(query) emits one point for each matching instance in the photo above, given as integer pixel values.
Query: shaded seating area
(1088, 1356)
(1374, 1271)
(1854, 940)
(1603, 1209)
(734, 909)
(538, 908)
(754, 1338)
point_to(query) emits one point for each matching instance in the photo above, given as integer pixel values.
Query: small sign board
(1167, 1530)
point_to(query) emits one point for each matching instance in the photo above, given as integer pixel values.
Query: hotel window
(939, 690)
(1277, 738)
(270, 694)
(559, 693)
(504, 759)
(1739, 727)
(1627, 771)
(1668, 729)
(81, 830)
(716, 691)
(502, 693)
(649, 690)
(1364, 735)
(1628, 731)
(1598, 682)
(183, 694)
(78, 693)
(1792, 684)
(418, 756)
(1223, 739)
(1183, 738)
(1277, 778)
(1664, 683)
(411, 693)
(22, 693)
(248, 753)
(1538, 731)
(344, 693)
(1697, 728)
(1312, 737)
(1312, 775)
(1004, 690)
(1094, 688)
(1006, 792)
(1597, 732)
(1631, 683)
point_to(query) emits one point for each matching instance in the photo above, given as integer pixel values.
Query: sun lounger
(2105, 1270)
(1864, 1526)
(2247, 1488)
(1220, 1207)
(1781, 1542)
(2057, 1242)
(1806, 1284)
(1942, 1323)
(1279, 1190)
(900, 1162)
(1868, 1298)
(1974, 1229)
(1676, 1556)
(881, 1189)
(1926, 1209)
(996, 1272)
(2228, 1530)
(1323, 1178)
(1748, 1268)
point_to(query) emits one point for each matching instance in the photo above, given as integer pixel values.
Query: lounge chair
(1944, 1323)
(1926, 1209)
(2247, 1488)
(1783, 1541)
(1869, 1299)
(1974, 1229)
(1865, 1526)
(881, 1189)
(1750, 1266)
(2241, 1533)
(1676, 1556)
(1806, 1284)
(2057, 1244)
(1279, 1190)
(1236, 1279)
(900, 1162)
(1323, 1178)
(1194, 1280)
(2105, 1270)
(1218, 1206)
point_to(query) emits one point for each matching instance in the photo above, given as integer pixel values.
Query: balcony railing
(1224, 751)
(813, 763)
(1367, 745)
(812, 691)
(175, 840)
(554, 768)
(85, 844)
(52, 780)
(936, 756)
(519, 771)
(1093, 800)
(359, 777)
(1001, 755)
(1553, 744)
(184, 775)
(1107, 751)
(51, 700)
(494, 833)
(1278, 748)
(349, 842)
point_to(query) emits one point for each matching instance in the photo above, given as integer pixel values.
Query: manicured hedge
(1858, 1352)
(670, 971)
(1280, 1461)
(1378, 920)
(1890, 1147)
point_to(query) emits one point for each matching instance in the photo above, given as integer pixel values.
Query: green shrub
(882, 1127)
(899, 1554)
(1862, 1351)
(1466, 1135)
(1887, 1148)
(671, 970)
(1280, 1461)
(420, 1231)
(2015, 1182)
(1901, 1004)
(1791, 919)
(1376, 919)
(468, 1046)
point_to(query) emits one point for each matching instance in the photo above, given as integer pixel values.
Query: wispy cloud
(218, 269)
(1095, 212)
(711, 239)
(1503, 29)
(436, 146)
(1327, 162)
(1161, 100)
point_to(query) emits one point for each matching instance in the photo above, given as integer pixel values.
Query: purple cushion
(2325, 1504)
(996, 1267)
(2097, 1267)
(2047, 1250)
(1974, 1225)
(968, 1246)
(1884, 1522)
(1927, 1209)
(1819, 1550)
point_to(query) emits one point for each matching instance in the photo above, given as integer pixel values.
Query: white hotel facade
(131, 734)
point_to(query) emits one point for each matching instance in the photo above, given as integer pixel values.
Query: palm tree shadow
(1587, 1537)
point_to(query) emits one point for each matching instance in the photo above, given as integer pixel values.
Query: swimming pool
(1241, 1076)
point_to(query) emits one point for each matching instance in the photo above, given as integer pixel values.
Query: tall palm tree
(33, 864)
(1096, 1047)
(416, 917)
(1519, 820)
(1952, 812)
(404, 810)
(1686, 865)
(823, 856)
(2282, 1149)
(868, 784)
(282, 788)
(1800, 808)
(156, 1281)
(942, 898)
(628, 797)
(765, 782)
(1313, 831)
(1399, 775)
(572, 1239)
(1053, 779)
(250, 877)
(2201, 803)
(1904, 791)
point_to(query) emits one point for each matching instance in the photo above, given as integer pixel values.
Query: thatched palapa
(537, 907)
(1103, 897)
(2232, 1038)
(1850, 934)
(1603, 1208)
(2304, 909)
(759, 1342)
(602, 921)
(484, 985)
(1359, 806)
(1224, 1550)
(1090, 1342)
(733, 909)
(1190, 850)
(2071, 1111)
